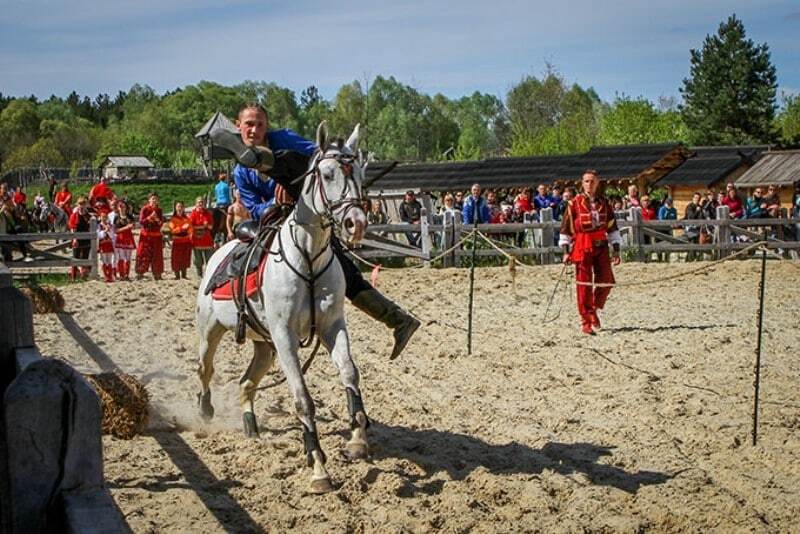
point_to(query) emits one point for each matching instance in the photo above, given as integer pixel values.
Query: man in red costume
(151, 247)
(99, 191)
(587, 229)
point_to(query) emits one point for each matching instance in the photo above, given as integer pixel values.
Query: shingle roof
(127, 161)
(707, 165)
(778, 168)
(611, 162)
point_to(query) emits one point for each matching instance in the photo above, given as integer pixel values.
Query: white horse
(301, 268)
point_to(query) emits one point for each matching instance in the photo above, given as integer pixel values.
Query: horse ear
(352, 141)
(322, 136)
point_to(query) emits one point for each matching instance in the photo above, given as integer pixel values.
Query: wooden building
(616, 165)
(708, 168)
(127, 166)
(778, 168)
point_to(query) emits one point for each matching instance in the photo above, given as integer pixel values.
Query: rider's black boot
(256, 157)
(374, 304)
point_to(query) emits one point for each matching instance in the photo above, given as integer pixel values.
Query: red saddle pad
(251, 284)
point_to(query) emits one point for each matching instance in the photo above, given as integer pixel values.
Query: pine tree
(729, 96)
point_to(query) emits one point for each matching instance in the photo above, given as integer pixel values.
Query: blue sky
(631, 47)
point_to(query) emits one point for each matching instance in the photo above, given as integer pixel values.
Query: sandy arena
(643, 427)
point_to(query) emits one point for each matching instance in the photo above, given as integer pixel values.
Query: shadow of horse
(459, 455)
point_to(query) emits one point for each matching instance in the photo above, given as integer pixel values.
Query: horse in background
(49, 218)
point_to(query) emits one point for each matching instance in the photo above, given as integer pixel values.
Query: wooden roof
(624, 162)
(776, 168)
(707, 165)
(128, 161)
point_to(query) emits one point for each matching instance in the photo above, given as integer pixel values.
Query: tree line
(729, 97)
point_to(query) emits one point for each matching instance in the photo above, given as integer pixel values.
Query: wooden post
(425, 236)
(456, 238)
(546, 216)
(757, 380)
(637, 233)
(16, 325)
(447, 238)
(723, 231)
(93, 250)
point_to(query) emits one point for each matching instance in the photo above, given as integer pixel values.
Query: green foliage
(730, 93)
(789, 120)
(634, 121)
(547, 117)
(168, 194)
(43, 152)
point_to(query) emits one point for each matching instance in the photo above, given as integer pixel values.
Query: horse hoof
(356, 451)
(321, 485)
(206, 408)
(250, 425)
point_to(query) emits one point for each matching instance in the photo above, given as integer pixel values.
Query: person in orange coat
(587, 229)
(202, 241)
(180, 227)
(150, 253)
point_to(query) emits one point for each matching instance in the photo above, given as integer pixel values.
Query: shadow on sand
(663, 328)
(459, 455)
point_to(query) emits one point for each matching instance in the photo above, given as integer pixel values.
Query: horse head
(333, 187)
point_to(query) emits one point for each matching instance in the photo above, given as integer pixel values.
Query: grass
(42, 279)
(138, 193)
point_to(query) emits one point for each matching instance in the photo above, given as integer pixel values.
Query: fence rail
(539, 239)
(47, 258)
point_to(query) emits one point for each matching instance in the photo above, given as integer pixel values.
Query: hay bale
(45, 299)
(125, 403)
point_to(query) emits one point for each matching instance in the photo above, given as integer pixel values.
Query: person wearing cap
(587, 229)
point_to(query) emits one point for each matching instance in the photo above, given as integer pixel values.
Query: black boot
(256, 157)
(374, 304)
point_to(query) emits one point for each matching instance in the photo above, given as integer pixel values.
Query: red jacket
(202, 223)
(100, 190)
(581, 225)
(151, 227)
(734, 205)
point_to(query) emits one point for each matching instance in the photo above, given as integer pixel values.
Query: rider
(258, 194)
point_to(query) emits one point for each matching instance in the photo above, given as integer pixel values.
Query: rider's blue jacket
(256, 194)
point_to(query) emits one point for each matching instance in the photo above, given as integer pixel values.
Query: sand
(643, 427)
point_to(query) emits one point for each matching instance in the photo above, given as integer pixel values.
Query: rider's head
(253, 123)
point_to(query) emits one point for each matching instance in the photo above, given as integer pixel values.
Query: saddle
(239, 275)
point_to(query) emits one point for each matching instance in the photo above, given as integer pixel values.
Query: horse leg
(286, 344)
(210, 337)
(337, 342)
(263, 357)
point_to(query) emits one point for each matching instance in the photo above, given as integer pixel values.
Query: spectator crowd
(189, 233)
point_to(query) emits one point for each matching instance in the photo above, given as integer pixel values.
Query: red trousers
(595, 267)
(181, 256)
(150, 253)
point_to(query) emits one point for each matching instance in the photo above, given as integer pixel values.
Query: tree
(547, 117)
(634, 121)
(789, 120)
(19, 126)
(729, 96)
(42, 152)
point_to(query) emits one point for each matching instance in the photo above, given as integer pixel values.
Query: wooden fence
(52, 256)
(51, 458)
(538, 239)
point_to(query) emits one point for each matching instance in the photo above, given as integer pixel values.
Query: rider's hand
(231, 236)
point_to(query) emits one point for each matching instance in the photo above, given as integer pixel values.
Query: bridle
(339, 207)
